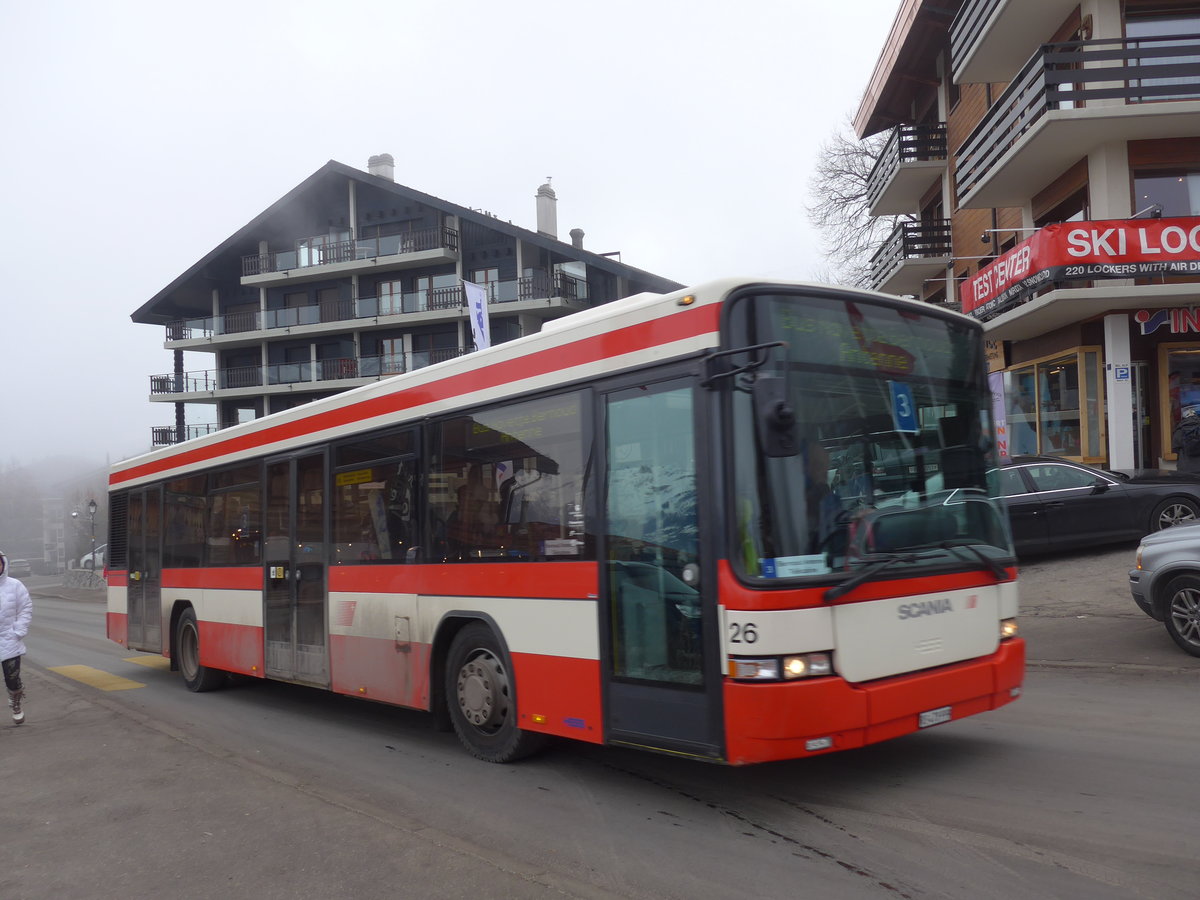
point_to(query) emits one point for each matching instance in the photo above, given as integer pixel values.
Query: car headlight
(1137, 558)
(780, 668)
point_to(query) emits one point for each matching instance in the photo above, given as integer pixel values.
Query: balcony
(164, 435)
(539, 286)
(990, 39)
(1070, 99)
(319, 257)
(257, 380)
(911, 162)
(913, 254)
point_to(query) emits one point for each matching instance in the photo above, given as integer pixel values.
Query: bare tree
(839, 205)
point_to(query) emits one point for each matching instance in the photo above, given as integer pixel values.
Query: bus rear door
(145, 569)
(294, 571)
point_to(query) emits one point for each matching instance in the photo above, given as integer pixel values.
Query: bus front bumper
(788, 720)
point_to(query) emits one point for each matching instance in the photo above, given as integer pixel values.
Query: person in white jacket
(16, 612)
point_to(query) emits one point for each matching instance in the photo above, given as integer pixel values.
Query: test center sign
(1074, 251)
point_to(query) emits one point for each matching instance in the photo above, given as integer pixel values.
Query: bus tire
(187, 645)
(481, 698)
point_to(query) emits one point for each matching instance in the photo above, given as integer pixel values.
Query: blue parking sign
(904, 411)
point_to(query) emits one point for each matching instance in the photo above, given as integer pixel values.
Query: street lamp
(92, 513)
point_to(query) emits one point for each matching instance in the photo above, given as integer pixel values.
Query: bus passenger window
(373, 514)
(507, 484)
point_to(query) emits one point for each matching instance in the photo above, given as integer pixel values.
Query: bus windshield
(885, 454)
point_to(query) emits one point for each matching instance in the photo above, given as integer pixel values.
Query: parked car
(19, 568)
(93, 560)
(1165, 582)
(1055, 504)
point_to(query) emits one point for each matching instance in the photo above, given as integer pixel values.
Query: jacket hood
(3, 565)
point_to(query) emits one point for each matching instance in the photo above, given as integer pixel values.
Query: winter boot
(14, 701)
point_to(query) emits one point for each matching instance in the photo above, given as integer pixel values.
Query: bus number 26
(743, 633)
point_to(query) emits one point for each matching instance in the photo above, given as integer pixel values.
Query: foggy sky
(139, 135)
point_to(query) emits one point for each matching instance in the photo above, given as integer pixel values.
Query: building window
(1159, 25)
(1054, 406)
(1174, 193)
(1179, 367)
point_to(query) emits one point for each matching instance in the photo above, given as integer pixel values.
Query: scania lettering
(682, 523)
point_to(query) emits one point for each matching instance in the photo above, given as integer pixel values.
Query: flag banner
(477, 305)
(1082, 251)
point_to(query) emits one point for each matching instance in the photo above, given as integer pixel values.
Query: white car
(19, 568)
(93, 560)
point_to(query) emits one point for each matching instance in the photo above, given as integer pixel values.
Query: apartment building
(1047, 156)
(351, 277)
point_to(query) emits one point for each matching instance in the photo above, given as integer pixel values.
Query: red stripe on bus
(117, 579)
(688, 323)
(737, 595)
(233, 648)
(559, 580)
(559, 695)
(765, 722)
(117, 628)
(235, 578)
(556, 580)
(380, 669)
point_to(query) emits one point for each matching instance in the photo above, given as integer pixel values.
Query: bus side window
(374, 500)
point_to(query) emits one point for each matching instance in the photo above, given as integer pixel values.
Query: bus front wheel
(187, 646)
(481, 699)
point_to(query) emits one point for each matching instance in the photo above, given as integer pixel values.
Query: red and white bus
(743, 522)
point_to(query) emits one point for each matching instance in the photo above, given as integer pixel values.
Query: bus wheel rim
(481, 689)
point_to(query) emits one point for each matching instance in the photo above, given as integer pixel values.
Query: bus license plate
(933, 717)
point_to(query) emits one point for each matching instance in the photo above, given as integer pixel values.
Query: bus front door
(145, 570)
(294, 571)
(661, 688)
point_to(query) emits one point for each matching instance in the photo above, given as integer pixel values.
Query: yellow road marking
(151, 662)
(96, 678)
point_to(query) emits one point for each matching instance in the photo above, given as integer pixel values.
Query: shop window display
(1052, 411)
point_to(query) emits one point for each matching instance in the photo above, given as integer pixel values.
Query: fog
(140, 135)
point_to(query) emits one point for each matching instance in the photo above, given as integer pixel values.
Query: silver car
(1165, 582)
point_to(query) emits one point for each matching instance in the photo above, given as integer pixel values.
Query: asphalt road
(1079, 790)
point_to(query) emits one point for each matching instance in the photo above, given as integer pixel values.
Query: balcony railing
(967, 27)
(908, 242)
(539, 285)
(165, 435)
(1075, 75)
(907, 144)
(379, 366)
(319, 251)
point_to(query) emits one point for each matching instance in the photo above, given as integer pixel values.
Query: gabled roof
(907, 64)
(148, 312)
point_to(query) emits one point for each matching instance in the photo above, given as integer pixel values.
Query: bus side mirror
(774, 416)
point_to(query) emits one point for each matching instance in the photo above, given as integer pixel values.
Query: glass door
(1141, 417)
(659, 611)
(294, 577)
(145, 569)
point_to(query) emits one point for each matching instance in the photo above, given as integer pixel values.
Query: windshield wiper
(868, 572)
(994, 567)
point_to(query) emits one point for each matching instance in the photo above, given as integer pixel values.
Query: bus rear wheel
(481, 699)
(187, 647)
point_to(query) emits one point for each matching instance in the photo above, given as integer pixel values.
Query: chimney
(382, 166)
(577, 238)
(547, 211)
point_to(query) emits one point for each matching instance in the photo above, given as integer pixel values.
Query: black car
(1055, 504)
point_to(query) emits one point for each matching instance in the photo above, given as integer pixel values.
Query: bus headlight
(1008, 629)
(785, 668)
